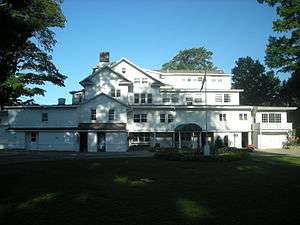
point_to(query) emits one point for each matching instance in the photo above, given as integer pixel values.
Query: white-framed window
(93, 114)
(214, 80)
(274, 118)
(162, 117)
(140, 118)
(189, 79)
(136, 118)
(118, 93)
(170, 118)
(141, 137)
(218, 98)
(265, 118)
(123, 70)
(219, 80)
(198, 100)
(44, 117)
(243, 116)
(137, 80)
(200, 78)
(222, 117)
(144, 80)
(174, 98)
(189, 100)
(149, 98)
(113, 92)
(165, 98)
(33, 136)
(144, 118)
(143, 98)
(136, 98)
(111, 114)
(227, 98)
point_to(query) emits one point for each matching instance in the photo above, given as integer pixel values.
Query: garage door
(272, 140)
(116, 142)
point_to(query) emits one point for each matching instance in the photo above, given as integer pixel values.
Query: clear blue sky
(149, 33)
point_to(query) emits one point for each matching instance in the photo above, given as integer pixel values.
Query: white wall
(102, 104)
(58, 141)
(32, 117)
(16, 140)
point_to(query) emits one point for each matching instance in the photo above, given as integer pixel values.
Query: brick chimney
(104, 57)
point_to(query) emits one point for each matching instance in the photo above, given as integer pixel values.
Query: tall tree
(191, 59)
(260, 87)
(283, 53)
(26, 42)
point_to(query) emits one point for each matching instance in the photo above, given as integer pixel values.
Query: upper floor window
(143, 98)
(162, 118)
(189, 100)
(118, 93)
(44, 116)
(189, 79)
(274, 118)
(198, 100)
(149, 99)
(165, 98)
(140, 118)
(222, 117)
(227, 98)
(218, 98)
(200, 78)
(137, 80)
(144, 80)
(93, 114)
(265, 118)
(123, 70)
(113, 92)
(170, 118)
(111, 114)
(219, 80)
(175, 98)
(136, 98)
(243, 116)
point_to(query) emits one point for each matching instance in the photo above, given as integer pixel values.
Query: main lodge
(123, 105)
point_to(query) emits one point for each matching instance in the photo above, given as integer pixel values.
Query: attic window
(123, 70)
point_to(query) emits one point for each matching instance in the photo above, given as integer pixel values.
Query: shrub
(196, 156)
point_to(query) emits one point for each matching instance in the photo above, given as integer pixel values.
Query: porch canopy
(188, 128)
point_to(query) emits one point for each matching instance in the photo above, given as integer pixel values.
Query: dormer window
(144, 80)
(123, 70)
(137, 80)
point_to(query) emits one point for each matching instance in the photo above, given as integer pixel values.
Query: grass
(132, 191)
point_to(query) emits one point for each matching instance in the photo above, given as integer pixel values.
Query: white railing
(272, 126)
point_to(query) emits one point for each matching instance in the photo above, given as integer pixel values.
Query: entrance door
(101, 143)
(83, 142)
(244, 139)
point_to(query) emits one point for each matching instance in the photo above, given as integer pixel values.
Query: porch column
(173, 141)
(199, 140)
(179, 140)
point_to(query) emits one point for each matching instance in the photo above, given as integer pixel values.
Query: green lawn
(109, 191)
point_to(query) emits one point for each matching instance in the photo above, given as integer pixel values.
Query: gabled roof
(138, 68)
(101, 69)
(105, 96)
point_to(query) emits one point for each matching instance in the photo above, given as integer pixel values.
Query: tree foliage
(191, 59)
(284, 52)
(26, 42)
(260, 87)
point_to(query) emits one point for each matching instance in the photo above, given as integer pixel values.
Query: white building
(122, 105)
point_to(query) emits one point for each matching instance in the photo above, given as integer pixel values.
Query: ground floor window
(33, 136)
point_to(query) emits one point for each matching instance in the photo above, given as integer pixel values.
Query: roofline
(193, 107)
(199, 90)
(102, 68)
(116, 100)
(137, 67)
(188, 73)
(274, 108)
(39, 106)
